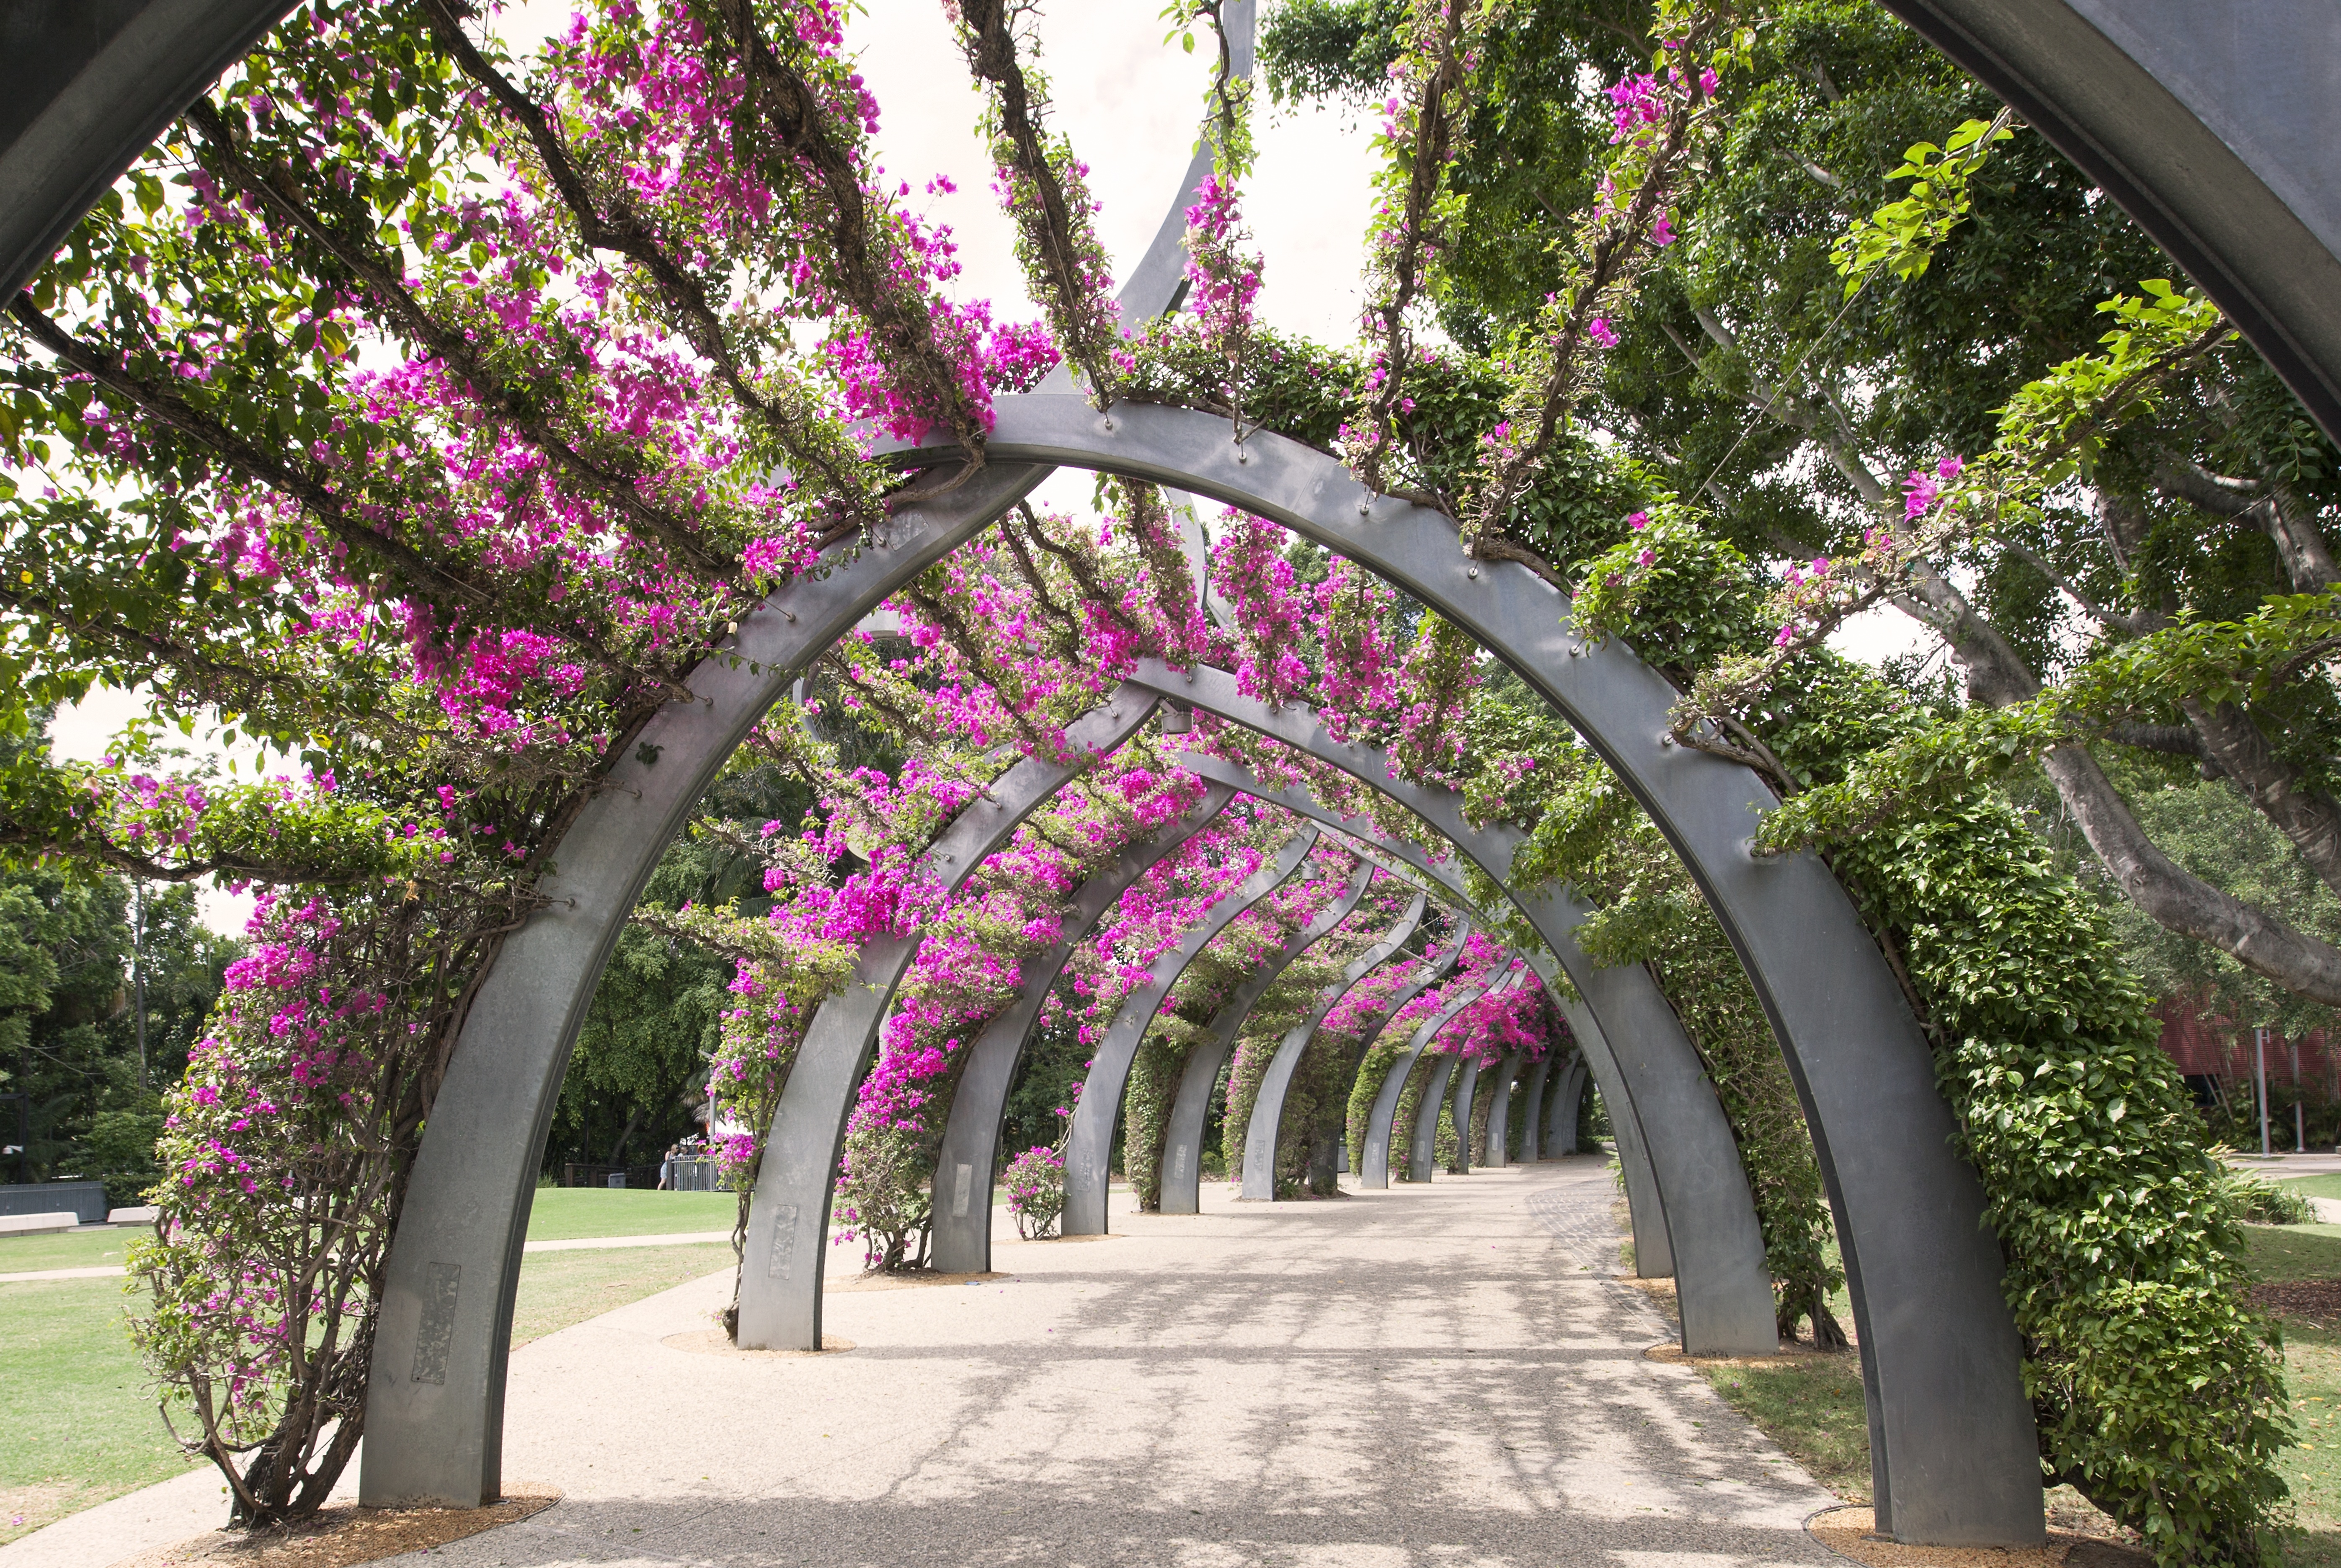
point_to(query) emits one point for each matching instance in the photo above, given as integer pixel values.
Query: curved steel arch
(2211, 122)
(1954, 1453)
(1088, 1154)
(1653, 1244)
(1467, 1089)
(1499, 1150)
(1422, 1152)
(1532, 1106)
(1709, 1235)
(967, 1161)
(1558, 1135)
(1182, 1142)
(1268, 1107)
(782, 1264)
(1373, 1165)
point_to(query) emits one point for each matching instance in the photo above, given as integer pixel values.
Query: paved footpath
(1436, 1375)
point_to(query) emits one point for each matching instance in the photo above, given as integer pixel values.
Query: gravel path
(1431, 1375)
(1439, 1376)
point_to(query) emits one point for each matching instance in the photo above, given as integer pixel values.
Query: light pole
(2259, 1058)
(2299, 1106)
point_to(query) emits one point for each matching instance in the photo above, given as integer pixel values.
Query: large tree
(1753, 386)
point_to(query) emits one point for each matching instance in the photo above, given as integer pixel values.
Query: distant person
(666, 1167)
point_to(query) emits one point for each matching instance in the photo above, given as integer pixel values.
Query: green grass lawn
(1811, 1405)
(568, 1213)
(2312, 1375)
(78, 1419)
(2326, 1185)
(67, 1249)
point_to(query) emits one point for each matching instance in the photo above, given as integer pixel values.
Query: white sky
(1131, 102)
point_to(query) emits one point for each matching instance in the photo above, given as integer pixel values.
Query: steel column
(1532, 1144)
(1500, 1111)
(1467, 1091)
(1182, 1142)
(435, 1399)
(969, 1158)
(1267, 1106)
(781, 1266)
(1423, 1156)
(1089, 1153)
(1373, 1169)
(1558, 1131)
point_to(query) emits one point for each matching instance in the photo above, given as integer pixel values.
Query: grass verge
(78, 1419)
(571, 1213)
(2326, 1185)
(67, 1249)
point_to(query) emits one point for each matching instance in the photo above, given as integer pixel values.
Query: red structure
(2216, 1057)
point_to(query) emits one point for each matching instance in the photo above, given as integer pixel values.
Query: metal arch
(466, 1213)
(2212, 124)
(1498, 1150)
(968, 1159)
(1558, 1134)
(1182, 1142)
(1434, 968)
(86, 87)
(1532, 1103)
(1422, 1154)
(1268, 1108)
(1373, 1167)
(1089, 1153)
(434, 1424)
(1953, 1451)
(1723, 1287)
(782, 1266)
(1654, 1252)
(1467, 1090)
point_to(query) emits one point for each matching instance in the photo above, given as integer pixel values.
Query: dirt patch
(916, 1279)
(1852, 1532)
(715, 1342)
(1021, 1240)
(2313, 1301)
(346, 1534)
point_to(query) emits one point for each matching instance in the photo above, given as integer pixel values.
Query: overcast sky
(1131, 103)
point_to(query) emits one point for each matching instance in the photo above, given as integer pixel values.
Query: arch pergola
(2168, 104)
(1373, 1163)
(1089, 1155)
(1268, 1110)
(969, 1152)
(1268, 1118)
(1653, 1251)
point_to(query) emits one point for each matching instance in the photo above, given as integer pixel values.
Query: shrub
(1035, 1181)
(2259, 1202)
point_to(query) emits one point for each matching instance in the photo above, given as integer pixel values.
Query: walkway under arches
(1427, 1375)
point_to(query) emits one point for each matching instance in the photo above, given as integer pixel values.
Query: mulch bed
(2315, 1301)
(1850, 1532)
(347, 1534)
